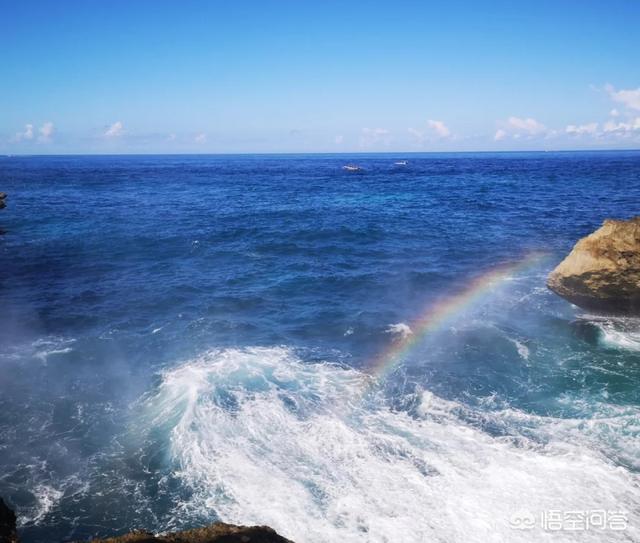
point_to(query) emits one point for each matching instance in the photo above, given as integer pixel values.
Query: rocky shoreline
(217, 532)
(602, 272)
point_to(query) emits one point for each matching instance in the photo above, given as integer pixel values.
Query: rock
(218, 532)
(215, 533)
(3, 197)
(602, 272)
(7, 523)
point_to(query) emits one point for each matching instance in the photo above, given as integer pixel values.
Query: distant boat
(401, 163)
(351, 168)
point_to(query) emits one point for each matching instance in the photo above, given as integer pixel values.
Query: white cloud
(26, 134)
(439, 128)
(46, 131)
(115, 130)
(171, 137)
(622, 127)
(629, 97)
(338, 139)
(29, 133)
(519, 128)
(614, 113)
(435, 130)
(578, 130)
(528, 126)
(200, 138)
(373, 136)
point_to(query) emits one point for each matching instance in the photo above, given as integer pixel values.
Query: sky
(160, 76)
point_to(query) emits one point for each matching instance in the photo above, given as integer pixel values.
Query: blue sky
(155, 76)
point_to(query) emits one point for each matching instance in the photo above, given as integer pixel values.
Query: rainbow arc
(446, 310)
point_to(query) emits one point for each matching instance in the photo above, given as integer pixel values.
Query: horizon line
(324, 153)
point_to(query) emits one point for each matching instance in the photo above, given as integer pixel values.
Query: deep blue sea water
(191, 338)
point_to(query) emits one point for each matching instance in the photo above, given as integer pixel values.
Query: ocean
(366, 356)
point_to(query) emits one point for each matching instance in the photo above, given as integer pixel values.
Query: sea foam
(259, 437)
(620, 337)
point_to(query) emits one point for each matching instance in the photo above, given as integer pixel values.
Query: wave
(49, 346)
(523, 350)
(258, 436)
(620, 333)
(401, 329)
(47, 497)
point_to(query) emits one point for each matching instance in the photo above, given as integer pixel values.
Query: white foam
(52, 345)
(263, 438)
(620, 338)
(400, 329)
(46, 498)
(523, 350)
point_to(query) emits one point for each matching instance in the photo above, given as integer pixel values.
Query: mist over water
(186, 339)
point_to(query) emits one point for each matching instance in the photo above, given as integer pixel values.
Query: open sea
(366, 356)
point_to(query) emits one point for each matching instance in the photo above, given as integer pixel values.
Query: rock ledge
(215, 533)
(218, 532)
(602, 272)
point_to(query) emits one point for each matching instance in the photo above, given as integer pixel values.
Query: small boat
(401, 163)
(351, 168)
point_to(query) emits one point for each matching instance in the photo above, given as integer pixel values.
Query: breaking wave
(619, 333)
(258, 436)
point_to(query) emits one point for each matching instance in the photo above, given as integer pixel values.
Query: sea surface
(365, 356)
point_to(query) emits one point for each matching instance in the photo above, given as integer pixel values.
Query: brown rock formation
(602, 272)
(215, 533)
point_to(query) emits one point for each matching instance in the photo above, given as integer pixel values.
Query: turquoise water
(186, 339)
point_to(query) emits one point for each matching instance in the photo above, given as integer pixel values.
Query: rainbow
(445, 310)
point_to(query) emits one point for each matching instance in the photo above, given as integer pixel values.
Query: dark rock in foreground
(215, 533)
(3, 197)
(602, 272)
(7, 524)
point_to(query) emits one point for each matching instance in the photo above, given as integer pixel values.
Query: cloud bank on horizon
(208, 77)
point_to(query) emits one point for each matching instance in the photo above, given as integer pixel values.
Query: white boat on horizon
(401, 162)
(352, 168)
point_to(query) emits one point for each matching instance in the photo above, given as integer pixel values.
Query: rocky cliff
(602, 272)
